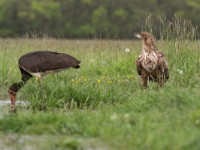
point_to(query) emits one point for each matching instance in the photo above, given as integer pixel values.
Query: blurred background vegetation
(116, 19)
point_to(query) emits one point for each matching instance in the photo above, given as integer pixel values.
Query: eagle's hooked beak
(138, 36)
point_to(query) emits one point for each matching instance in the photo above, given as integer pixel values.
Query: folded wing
(162, 64)
(42, 61)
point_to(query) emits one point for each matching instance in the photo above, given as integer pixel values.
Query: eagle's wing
(162, 64)
(139, 66)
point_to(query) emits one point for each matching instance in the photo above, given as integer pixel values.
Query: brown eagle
(151, 64)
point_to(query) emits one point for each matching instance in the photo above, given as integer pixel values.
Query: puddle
(5, 107)
(7, 102)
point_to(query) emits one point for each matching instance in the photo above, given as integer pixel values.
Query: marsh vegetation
(101, 105)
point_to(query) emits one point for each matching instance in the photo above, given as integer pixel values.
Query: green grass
(101, 105)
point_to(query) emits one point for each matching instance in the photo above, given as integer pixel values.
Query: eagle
(151, 64)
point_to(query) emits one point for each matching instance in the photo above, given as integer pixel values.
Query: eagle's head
(148, 41)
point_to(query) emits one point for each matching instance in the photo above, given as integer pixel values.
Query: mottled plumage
(151, 63)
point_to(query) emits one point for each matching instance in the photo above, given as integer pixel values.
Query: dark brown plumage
(39, 64)
(151, 63)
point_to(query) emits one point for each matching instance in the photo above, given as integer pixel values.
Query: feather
(44, 61)
(151, 63)
(40, 63)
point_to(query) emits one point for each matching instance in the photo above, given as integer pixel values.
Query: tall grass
(106, 71)
(175, 29)
(101, 105)
(101, 79)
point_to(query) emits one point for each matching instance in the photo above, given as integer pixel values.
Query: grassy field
(101, 106)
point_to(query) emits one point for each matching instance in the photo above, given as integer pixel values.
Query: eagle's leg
(161, 79)
(144, 79)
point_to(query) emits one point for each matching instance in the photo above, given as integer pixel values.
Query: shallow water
(7, 102)
(5, 107)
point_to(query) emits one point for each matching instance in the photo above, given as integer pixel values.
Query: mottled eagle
(151, 64)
